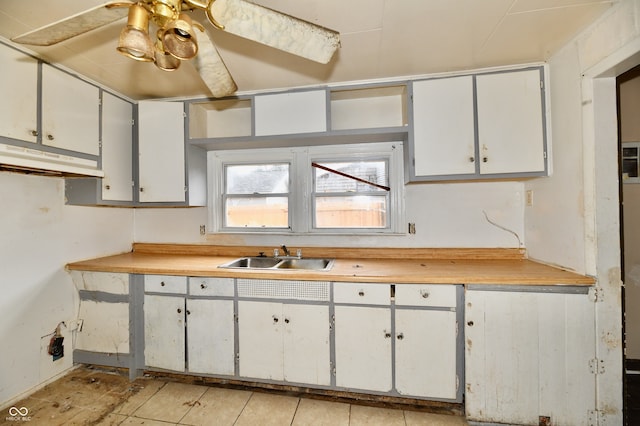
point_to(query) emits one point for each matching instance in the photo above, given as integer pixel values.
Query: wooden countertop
(435, 266)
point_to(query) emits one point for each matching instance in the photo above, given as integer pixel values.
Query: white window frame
(301, 184)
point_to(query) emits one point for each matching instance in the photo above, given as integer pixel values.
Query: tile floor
(89, 396)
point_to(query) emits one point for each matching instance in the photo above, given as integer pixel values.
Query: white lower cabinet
(188, 334)
(164, 332)
(425, 352)
(284, 342)
(411, 349)
(363, 348)
(530, 356)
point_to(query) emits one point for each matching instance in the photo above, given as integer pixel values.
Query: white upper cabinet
(444, 133)
(117, 148)
(70, 112)
(19, 88)
(161, 161)
(478, 126)
(291, 112)
(510, 122)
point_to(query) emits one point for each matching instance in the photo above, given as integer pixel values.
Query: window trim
(301, 212)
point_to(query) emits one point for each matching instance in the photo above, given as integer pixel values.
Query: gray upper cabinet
(479, 126)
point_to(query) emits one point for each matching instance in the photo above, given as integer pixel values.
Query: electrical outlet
(56, 348)
(412, 228)
(203, 229)
(529, 197)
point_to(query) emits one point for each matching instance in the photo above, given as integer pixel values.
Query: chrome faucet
(285, 250)
(286, 253)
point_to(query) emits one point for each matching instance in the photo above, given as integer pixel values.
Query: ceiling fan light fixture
(179, 38)
(134, 41)
(163, 60)
(165, 11)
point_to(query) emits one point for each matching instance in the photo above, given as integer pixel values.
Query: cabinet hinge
(333, 369)
(594, 417)
(596, 366)
(457, 329)
(596, 294)
(133, 122)
(544, 155)
(185, 189)
(457, 383)
(235, 317)
(184, 114)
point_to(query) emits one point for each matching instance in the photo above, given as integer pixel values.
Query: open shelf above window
(220, 119)
(370, 107)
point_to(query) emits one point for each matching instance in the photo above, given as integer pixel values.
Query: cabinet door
(19, 88)
(117, 148)
(443, 122)
(70, 122)
(306, 344)
(510, 122)
(528, 355)
(426, 353)
(210, 341)
(164, 332)
(161, 160)
(260, 340)
(363, 348)
(287, 113)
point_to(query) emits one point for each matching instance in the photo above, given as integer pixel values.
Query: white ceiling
(379, 38)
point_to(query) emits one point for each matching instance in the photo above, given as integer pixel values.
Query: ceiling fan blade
(276, 29)
(212, 69)
(75, 25)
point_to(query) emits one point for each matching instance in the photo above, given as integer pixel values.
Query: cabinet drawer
(362, 293)
(165, 284)
(426, 295)
(201, 286)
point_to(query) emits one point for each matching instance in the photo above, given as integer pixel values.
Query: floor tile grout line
(243, 408)
(295, 412)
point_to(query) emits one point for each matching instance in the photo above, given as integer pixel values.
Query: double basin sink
(260, 262)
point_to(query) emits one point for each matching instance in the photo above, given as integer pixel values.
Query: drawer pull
(361, 293)
(179, 310)
(203, 286)
(424, 294)
(162, 284)
(286, 320)
(275, 320)
(400, 336)
(188, 312)
(387, 335)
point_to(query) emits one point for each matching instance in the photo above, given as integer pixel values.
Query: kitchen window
(346, 189)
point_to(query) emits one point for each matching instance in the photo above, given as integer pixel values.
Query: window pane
(257, 179)
(368, 171)
(257, 212)
(351, 212)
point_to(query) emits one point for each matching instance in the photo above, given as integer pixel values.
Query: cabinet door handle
(275, 320)
(34, 133)
(470, 323)
(286, 320)
(161, 283)
(179, 310)
(485, 159)
(107, 187)
(472, 159)
(188, 312)
(203, 286)
(50, 137)
(400, 336)
(387, 335)
(361, 293)
(424, 294)
(141, 189)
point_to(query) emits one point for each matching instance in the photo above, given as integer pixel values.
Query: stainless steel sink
(259, 262)
(315, 264)
(252, 263)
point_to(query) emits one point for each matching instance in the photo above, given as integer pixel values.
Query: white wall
(39, 235)
(446, 215)
(585, 139)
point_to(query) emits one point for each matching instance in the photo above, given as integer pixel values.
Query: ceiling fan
(163, 32)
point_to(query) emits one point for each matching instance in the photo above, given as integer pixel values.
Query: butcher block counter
(383, 265)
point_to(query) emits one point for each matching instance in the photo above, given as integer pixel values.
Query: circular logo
(15, 411)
